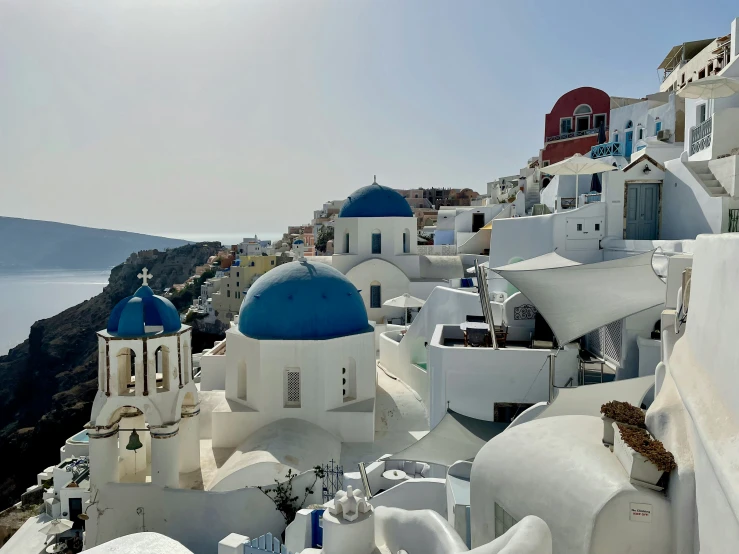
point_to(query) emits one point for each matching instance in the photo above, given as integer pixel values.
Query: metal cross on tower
(145, 276)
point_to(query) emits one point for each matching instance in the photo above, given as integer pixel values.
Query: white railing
(573, 134)
(265, 543)
(700, 136)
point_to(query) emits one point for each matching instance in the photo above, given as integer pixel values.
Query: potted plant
(621, 412)
(644, 458)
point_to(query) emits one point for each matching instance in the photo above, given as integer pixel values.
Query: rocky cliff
(48, 383)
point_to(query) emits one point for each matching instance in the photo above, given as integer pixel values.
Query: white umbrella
(711, 87)
(405, 301)
(56, 526)
(577, 165)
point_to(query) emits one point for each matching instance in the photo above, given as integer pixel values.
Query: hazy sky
(197, 117)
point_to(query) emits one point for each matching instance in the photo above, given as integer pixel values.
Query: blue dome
(301, 300)
(375, 201)
(133, 314)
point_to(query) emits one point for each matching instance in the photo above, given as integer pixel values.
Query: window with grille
(292, 387)
(606, 341)
(503, 521)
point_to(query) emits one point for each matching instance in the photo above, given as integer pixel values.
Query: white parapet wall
(197, 519)
(696, 413)
(213, 368)
(470, 380)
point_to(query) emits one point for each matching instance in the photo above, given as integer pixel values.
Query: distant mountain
(33, 244)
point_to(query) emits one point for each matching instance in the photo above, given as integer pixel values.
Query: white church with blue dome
(375, 246)
(303, 348)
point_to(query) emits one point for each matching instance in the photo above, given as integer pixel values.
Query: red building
(572, 125)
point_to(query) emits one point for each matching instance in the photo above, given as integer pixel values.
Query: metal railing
(573, 134)
(607, 149)
(733, 220)
(567, 203)
(700, 136)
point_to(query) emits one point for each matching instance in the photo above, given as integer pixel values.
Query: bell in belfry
(134, 442)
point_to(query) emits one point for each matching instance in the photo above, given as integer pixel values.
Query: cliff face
(48, 383)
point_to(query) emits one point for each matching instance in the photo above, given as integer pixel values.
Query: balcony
(573, 134)
(700, 136)
(716, 137)
(607, 149)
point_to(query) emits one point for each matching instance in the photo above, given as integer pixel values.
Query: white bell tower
(144, 423)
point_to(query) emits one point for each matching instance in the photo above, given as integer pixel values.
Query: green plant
(282, 494)
(325, 234)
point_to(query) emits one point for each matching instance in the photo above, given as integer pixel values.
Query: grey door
(642, 210)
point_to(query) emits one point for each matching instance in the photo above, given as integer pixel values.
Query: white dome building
(303, 350)
(376, 247)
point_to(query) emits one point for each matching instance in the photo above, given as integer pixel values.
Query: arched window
(349, 381)
(582, 117)
(376, 242)
(163, 369)
(406, 241)
(629, 124)
(126, 368)
(186, 363)
(375, 295)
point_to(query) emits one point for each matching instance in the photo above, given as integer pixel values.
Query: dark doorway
(478, 222)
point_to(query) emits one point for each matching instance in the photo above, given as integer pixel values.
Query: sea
(29, 295)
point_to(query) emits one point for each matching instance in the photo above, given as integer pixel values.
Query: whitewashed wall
(213, 368)
(197, 519)
(529, 237)
(415, 494)
(470, 380)
(696, 413)
(320, 364)
(443, 306)
(687, 210)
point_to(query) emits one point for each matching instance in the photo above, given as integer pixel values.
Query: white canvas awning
(455, 438)
(576, 298)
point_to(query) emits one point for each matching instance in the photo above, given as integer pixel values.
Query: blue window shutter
(375, 296)
(657, 127)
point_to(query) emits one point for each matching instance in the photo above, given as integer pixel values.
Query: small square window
(579, 226)
(597, 226)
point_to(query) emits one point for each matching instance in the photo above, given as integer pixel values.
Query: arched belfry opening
(126, 367)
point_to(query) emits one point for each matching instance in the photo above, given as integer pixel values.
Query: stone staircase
(706, 178)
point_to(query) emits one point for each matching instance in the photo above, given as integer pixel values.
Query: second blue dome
(375, 201)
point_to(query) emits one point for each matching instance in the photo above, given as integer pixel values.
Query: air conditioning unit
(664, 134)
